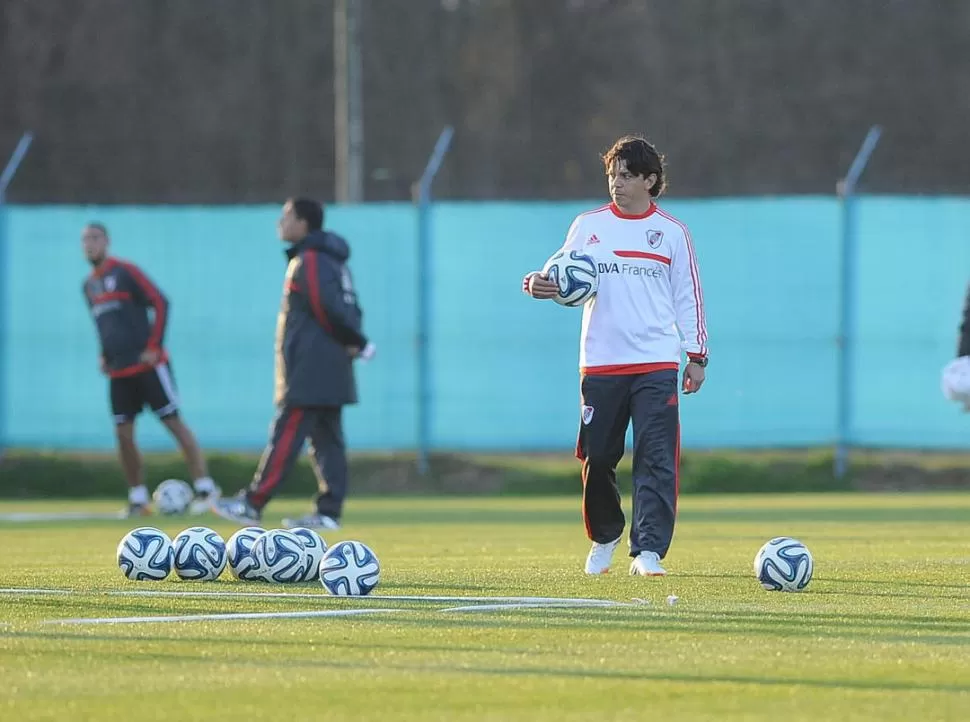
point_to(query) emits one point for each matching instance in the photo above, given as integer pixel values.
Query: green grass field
(882, 632)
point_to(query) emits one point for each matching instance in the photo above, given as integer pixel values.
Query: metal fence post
(845, 340)
(425, 279)
(9, 171)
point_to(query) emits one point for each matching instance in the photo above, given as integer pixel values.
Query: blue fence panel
(768, 271)
(914, 265)
(222, 270)
(505, 367)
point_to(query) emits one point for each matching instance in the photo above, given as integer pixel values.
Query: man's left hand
(150, 356)
(364, 354)
(693, 378)
(367, 353)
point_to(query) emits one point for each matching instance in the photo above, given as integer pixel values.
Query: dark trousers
(609, 403)
(288, 432)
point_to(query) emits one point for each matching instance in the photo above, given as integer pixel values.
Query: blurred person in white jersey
(649, 296)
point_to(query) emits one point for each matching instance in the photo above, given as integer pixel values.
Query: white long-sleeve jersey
(649, 287)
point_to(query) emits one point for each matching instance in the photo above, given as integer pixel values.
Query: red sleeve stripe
(695, 282)
(642, 254)
(155, 299)
(313, 287)
(698, 295)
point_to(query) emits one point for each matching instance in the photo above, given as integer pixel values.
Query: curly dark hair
(641, 158)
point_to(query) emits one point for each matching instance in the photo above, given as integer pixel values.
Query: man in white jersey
(649, 296)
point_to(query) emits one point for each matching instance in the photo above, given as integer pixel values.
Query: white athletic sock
(138, 495)
(205, 485)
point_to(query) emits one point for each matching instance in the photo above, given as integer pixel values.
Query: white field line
(26, 516)
(236, 616)
(371, 597)
(469, 604)
(224, 617)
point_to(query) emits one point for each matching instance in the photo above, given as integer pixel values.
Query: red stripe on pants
(278, 457)
(584, 473)
(677, 468)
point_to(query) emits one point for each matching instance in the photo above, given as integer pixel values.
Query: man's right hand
(539, 286)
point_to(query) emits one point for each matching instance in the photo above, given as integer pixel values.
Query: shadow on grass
(935, 594)
(902, 583)
(929, 586)
(808, 514)
(537, 671)
(766, 625)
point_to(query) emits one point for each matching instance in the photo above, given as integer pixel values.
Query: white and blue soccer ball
(200, 554)
(350, 568)
(145, 554)
(239, 552)
(784, 564)
(315, 548)
(172, 496)
(280, 557)
(574, 272)
(955, 381)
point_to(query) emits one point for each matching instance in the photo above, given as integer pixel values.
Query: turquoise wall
(504, 367)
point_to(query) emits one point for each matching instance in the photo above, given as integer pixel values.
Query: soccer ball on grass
(200, 554)
(172, 496)
(784, 564)
(281, 557)
(350, 568)
(145, 554)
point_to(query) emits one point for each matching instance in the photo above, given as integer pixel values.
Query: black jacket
(963, 345)
(319, 320)
(119, 296)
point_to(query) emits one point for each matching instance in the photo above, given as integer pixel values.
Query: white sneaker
(202, 503)
(647, 564)
(601, 556)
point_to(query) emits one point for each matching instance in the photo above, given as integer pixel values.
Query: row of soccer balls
(280, 556)
(349, 567)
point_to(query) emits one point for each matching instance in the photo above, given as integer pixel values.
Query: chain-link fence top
(232, 100)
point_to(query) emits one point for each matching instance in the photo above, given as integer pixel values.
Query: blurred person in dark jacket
(318, 337)
(963, 342)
